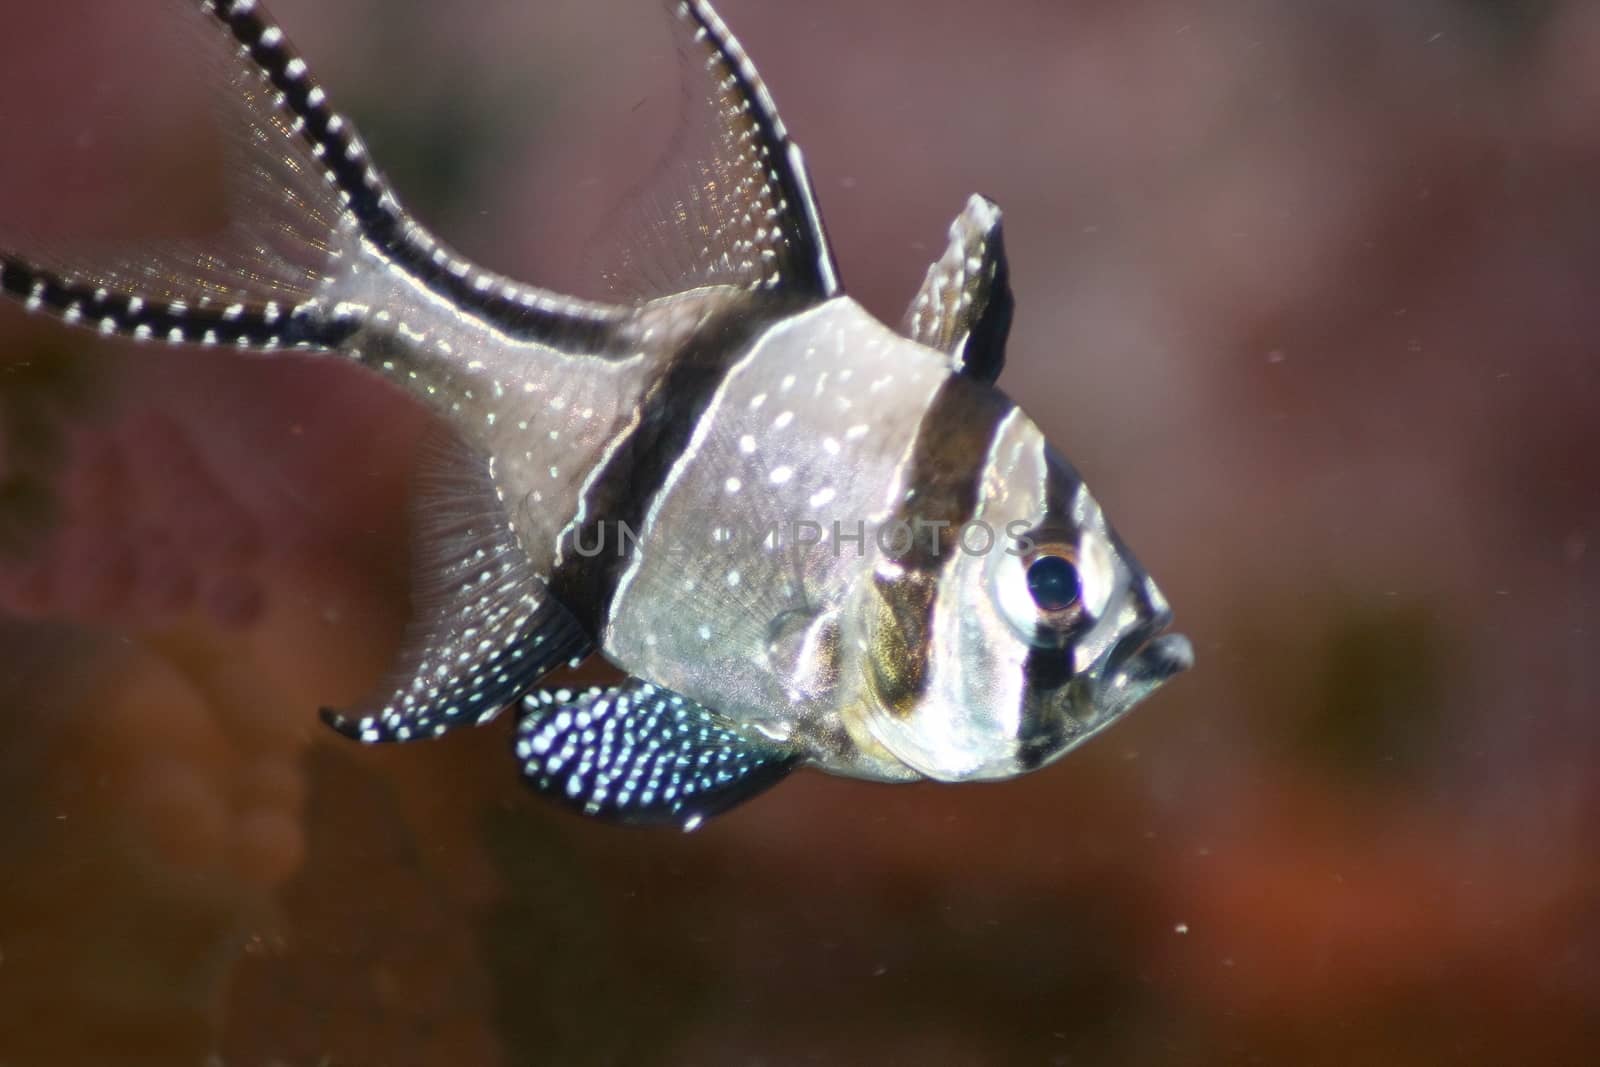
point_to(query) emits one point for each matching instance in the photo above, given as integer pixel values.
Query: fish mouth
(1140, 664)
(1136, 666)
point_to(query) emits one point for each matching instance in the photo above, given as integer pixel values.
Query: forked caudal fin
(311, 221)
(319, 255)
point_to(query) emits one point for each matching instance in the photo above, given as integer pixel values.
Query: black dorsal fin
(734, 204)
(964, 306)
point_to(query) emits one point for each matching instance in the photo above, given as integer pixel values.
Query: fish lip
(1137, 665)
(1130, 645)
(1140, 663)
(1161, 657)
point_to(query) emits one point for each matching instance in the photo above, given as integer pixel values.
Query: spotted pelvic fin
(638, 753)
(733, 205)
(483, 627)
(965, 305)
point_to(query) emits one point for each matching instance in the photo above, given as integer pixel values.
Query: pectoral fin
(965, 304)
(642, 754)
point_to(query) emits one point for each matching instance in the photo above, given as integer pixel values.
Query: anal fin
(483, 629)
(638, 753)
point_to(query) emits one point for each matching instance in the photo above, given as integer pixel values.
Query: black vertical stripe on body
(946, 468)
(252, 325)
(670, 410)
(944, 477)
(520, 312)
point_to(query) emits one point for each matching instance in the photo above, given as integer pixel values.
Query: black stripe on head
(200, 322)
(943, 479)
(1046, 672)
(1048, 668)
(670, 410)
(518, 311)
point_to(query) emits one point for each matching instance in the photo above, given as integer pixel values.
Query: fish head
(1031, 630)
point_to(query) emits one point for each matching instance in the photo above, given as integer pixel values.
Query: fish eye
(1055, 604)
(1050, 589)
(1053, 582)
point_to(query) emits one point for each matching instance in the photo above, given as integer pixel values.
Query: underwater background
(1308, 293)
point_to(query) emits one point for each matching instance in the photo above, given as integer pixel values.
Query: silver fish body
(806, 537)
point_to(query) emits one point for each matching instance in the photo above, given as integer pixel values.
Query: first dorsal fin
(735, 206)
(483, 627)
(964, 306)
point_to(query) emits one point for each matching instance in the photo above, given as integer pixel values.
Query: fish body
(806, 537)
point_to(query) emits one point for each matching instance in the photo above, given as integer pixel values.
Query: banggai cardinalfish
(807, 538)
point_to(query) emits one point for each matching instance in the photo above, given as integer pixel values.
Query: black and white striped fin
(308, 118)
(638, 753)
(106, 302)
(964, 306)
(307, 205)
(520, 311)
(260, 282)
(483, 627)
(269, 279)
(735, 207)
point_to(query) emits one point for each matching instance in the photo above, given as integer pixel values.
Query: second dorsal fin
(733, 204)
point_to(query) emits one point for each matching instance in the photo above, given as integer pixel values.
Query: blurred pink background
(1306, 290)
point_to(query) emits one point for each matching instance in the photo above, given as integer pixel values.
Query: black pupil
(1053, 581)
